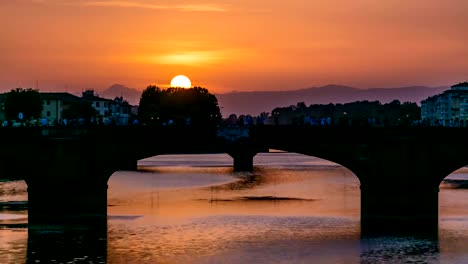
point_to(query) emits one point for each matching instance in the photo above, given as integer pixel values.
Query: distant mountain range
(130, 94)
(264, 101)
(256, 102)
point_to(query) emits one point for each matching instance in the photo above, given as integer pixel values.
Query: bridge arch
(323, 153)
(453, 195)
(312, 154)
(14, 197)
(456, 178)
(381, 159)
(448, 168)
(265, 183)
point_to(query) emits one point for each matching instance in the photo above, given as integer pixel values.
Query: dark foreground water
(193, 209)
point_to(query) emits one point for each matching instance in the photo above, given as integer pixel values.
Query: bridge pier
(68, 185)
(242, 152)
(240, 146)
(243, 162)
(399, 208)
(243, 155)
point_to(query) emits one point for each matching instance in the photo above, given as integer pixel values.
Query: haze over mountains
(257, 102)
(117, 90)
(265, 101)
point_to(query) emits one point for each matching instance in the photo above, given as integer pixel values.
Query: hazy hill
(265, 101)
(257, 102)
(129, 94)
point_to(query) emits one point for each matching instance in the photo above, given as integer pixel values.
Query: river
(194, 209)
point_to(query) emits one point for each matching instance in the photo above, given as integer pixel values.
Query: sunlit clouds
(144, 4)
(150, 5)
(188, 58)
(191, 58)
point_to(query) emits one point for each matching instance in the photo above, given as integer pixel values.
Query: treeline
(178, 106)
(24, 102)
(362, 113)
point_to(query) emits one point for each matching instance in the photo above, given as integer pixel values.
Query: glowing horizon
(261, 45)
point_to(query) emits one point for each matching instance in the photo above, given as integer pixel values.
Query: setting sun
(181, 81)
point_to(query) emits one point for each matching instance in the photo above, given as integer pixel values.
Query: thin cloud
(201, 8)
(134, 4)
(189, 58)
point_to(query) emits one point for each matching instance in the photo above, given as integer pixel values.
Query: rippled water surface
(194, 209)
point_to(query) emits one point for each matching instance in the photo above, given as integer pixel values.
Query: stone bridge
(399, 169)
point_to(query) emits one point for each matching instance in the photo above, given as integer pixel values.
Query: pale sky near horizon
(227, 45)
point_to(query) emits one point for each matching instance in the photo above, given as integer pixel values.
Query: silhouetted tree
(362, 113)
(25, 101)
(150, 105)
(179, 105)
(79, 109)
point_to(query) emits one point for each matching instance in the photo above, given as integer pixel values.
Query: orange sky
(227, 45)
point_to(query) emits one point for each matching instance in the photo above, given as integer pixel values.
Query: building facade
(447, 109)
(53, 105)
(115, 112)
(2, 108)
(103, 106)
(121, 111)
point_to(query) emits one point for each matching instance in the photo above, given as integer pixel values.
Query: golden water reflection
(255, 212)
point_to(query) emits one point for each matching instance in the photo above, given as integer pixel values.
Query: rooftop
(60, 96)
(90, 96)
(462, 84)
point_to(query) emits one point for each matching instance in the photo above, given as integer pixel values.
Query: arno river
(193, 209)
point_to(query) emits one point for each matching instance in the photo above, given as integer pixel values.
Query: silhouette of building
(2, 106)
(447, 109)
(103, 106)
(121, 111)
(53, 105)
(117, 111)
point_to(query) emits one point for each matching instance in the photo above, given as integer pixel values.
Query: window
(97, 104)
(48, 113)
(48, 102)
(105, 104)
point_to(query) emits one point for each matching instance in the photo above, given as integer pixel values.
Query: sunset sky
(227, 45)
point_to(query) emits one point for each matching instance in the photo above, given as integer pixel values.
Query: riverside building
(447, 109)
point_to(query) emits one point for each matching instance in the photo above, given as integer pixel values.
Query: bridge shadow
(67, 244)
(399, 249)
